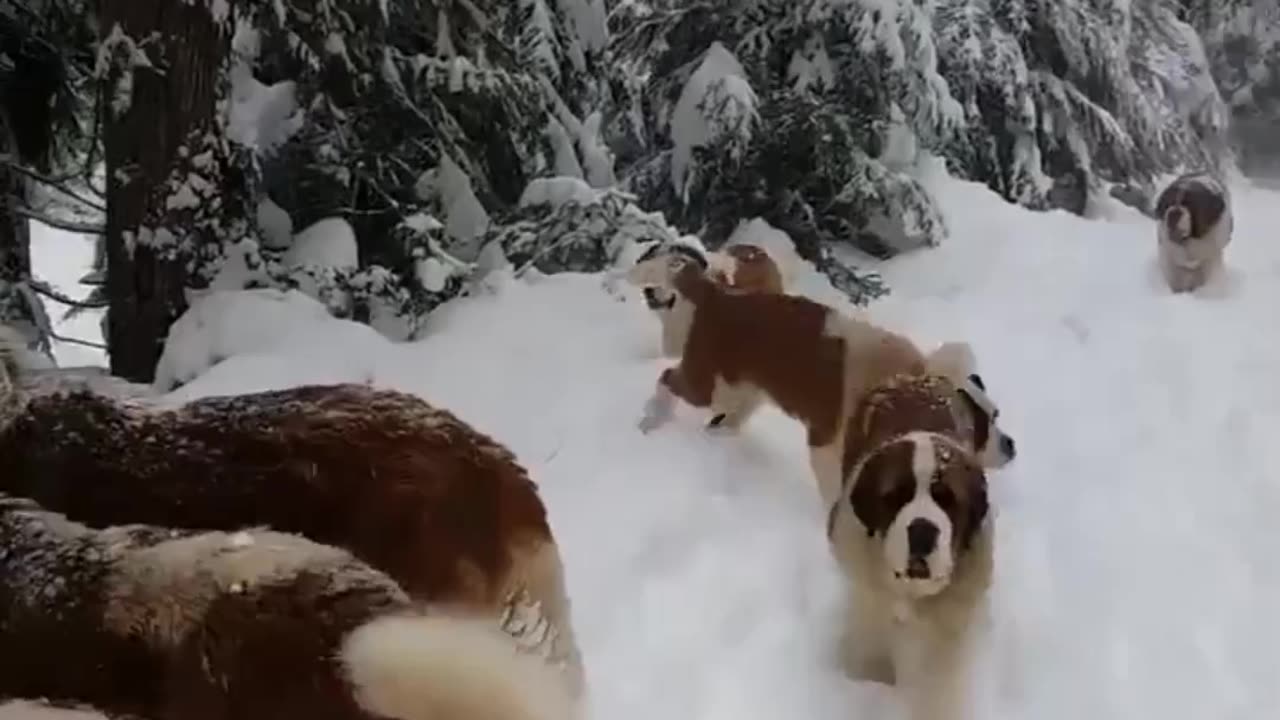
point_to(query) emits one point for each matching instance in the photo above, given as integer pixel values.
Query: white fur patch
(443, 668)
(924, 466)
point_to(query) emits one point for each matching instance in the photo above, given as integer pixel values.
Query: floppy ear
(953, 360)
(978, 507)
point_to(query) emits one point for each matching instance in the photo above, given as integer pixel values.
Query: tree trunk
(160, 124)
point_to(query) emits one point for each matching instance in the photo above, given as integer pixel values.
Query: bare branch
(47, 290)
(53, 222)
(59, 185)
(77, 341)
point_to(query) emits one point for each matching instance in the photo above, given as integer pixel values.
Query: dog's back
(146, 621)
(409, 488)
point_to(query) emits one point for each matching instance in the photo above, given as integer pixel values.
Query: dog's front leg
(938, 681)
(662, 404)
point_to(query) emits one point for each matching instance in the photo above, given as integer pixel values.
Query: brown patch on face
(885, 482)
(899, 405)
(1204, 204)
(411, 489)
(959, 487)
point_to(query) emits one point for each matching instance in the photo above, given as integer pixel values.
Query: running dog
(807, 358)
(911, 530)
(1195, 226)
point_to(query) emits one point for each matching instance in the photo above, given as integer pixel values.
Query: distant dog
(409, 488)
(148, 622)
(807, 358)
(911, 531)
(1195, 226)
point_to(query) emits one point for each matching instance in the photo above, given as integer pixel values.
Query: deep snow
(1135, 576)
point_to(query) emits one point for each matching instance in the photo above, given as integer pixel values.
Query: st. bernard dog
(809, 359)
(148, 622)
(409, 488)
(1194, 227)
(911, 531)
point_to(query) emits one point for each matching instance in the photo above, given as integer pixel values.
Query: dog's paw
(650, 422)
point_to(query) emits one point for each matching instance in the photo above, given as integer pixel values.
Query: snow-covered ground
(1136, 576)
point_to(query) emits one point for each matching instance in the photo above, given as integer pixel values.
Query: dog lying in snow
(1195, 225)
(411, 489)
(166, 625)
(807, 358)
(911, 531)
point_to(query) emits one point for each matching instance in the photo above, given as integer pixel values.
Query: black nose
(1007, 447)
(922, 537)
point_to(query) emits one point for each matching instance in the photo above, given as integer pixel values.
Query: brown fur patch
(411, 489)
(898, 405)
(777, 343)
(884, 484)
(962, 481)
(77, 612)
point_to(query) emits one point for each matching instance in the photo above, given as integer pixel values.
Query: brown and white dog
(912, 533)
(742, 267)
(160, 624)
(810, 360)
(1194, 227)
(411, 489)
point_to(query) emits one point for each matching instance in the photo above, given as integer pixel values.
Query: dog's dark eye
(976, 379)
(944, 496)
(899, 494)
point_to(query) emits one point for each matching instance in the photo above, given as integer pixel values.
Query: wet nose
(1007, 447)
(922, 537)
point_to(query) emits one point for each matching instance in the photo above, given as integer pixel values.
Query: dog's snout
(922, 537)
(1007, 447)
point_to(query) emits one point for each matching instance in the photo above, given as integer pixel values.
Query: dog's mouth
(917, 569)
(656, 303)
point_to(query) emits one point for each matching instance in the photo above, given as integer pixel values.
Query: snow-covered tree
(1062, 98)
(45, 58)
(810, 114)
(1242, 41)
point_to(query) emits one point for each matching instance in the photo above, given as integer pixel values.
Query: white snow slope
(1136, 576)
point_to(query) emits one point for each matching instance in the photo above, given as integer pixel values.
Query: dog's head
(922, 498)
(657, 267)
(1190, 206)
(993, 446)
(956, 361)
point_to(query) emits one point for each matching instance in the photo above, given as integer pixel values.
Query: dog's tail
(447, 668)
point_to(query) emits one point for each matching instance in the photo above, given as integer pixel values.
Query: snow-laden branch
(58, 224)
(10, 163)
(43, 288)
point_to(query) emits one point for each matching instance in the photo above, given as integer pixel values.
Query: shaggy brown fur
(794, 349)
(169, 625)
(903, 403)
(411, 489)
